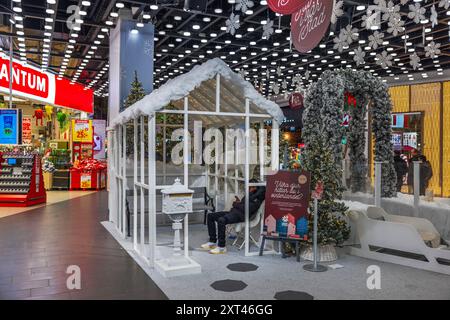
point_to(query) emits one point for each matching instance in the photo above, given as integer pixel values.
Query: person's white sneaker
(218, 250)
(208, 246)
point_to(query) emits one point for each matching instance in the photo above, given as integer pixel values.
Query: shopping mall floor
(38, 245)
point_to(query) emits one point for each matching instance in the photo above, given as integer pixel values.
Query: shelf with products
(21, 182)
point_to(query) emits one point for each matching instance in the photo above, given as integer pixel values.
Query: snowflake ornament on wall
(148, 48)
(416, 12)
(232, 24)
(337, 11)
(244, 5)
(414, 61)
(268, 29)
(432, 50)
(359, 56)
(384, 59)
(376, 39)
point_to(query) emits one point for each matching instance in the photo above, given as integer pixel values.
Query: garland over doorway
(322, 118)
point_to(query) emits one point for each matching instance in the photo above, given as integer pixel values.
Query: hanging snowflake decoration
(416, 12)
(297, 79)
(371, 19)
(307, 73)
(432, 50)
(434, 16)
(392, 11)
(340, 42)
(359, 56)
(380, 3)
(275, 88)
(337, 11)
(267, 74)
(244, 5)
(445, 4)
(403, 2)
(395, 26)
(350, 34)
(268, 29)
(279, 71)
(384, 59)
(232, 24)
(243, 73)
(414, 61)
(376, 39)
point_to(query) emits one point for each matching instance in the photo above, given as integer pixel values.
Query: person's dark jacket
(411, 169)
(401, 168)
(426, 172)
(255, 200)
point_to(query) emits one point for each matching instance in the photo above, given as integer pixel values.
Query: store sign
(285, 6)
(30, 83)
(410, 139)
(86, 181)
(396, 140)
(9, 126)
(26, 131)
(286, 203)
(99, 139)
(82, 131)
(309, 23)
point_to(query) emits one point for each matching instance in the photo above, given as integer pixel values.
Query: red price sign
(285, 6)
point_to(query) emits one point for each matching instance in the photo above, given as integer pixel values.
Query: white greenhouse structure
(140, 165)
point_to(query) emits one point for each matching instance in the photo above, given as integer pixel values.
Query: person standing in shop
(401, 168)
(235, 215)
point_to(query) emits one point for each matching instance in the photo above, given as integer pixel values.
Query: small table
(282, 240)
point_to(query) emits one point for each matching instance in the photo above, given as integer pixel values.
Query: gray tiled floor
(37, 246)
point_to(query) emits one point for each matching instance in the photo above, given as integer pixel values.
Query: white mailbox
(177, 199)
(177, 204)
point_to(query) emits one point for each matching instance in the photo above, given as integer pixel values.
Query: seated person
(235, 215)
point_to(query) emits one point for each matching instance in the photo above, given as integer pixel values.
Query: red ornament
(39, 115)
(285, 6)
(296, 101)
(309, 23)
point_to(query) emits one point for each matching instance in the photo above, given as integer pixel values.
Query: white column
(124, 180)
(142, 181)
(377, 193)
(135, 180)
(225, 164)
(275, 145)
(218, 93)
(186, 152)
(246, 176)
(152, 189)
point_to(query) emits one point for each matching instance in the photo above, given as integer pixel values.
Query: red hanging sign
(296, 101)
(310, 23)
(285, 6)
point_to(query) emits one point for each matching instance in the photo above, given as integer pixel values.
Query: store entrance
(46, 149)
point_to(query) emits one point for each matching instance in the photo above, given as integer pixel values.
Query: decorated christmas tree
(319, 161)
(137, 92)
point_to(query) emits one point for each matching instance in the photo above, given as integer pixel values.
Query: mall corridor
(37, 247)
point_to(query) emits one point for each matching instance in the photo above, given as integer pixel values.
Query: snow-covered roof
(185, 84)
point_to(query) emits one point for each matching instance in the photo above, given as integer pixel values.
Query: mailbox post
(177, 203)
